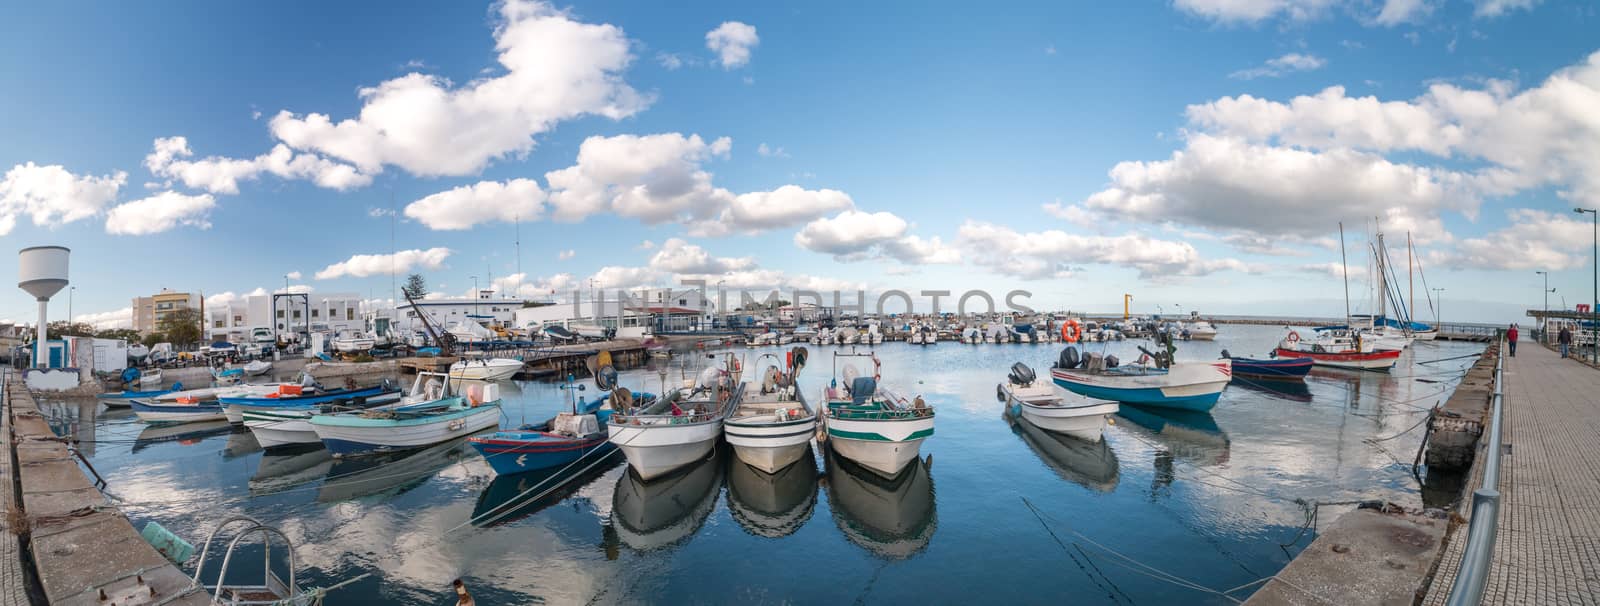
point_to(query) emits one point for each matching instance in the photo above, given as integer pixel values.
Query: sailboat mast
(1383, 283)
(1411, 279)
(1344, 264)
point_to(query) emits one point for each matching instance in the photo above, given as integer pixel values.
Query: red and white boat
(1338, 351)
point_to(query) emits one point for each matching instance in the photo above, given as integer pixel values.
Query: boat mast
(1383, 284)
(1411, 280)
(1344, 264)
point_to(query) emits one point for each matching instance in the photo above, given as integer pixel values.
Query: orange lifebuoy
(1071, 331)
(1293, 338)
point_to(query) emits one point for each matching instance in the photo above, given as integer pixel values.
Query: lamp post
(71, 320)
(1544, 320)
(1595, 340)
(474, 296)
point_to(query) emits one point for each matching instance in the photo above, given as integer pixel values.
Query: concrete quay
(62, 542)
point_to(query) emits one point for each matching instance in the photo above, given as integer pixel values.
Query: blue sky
(907, 146)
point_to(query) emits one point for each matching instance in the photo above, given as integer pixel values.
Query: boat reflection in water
(285, 468)
(391, 473)
(1294, 390)
(182, 433)
(516, 496)
(1187, 435)
(772, 505)
(893, 518)
(668, 509)
(1092, 465)
(240, 443)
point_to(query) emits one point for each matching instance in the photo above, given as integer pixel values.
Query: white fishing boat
(257, 368)
(824, 336)
(1158, 382)
(150, 378)
(773, 424)
(869, 424)
(681, 427)
(1041, 404)
(486, 369)
(847, 336)
(177, 412)
(468, 331)
(589, 330)
(350, 341)
(430, 414)
(1201, 330)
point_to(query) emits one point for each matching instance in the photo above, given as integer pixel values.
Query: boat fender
(1000, 392)
(1071, 331)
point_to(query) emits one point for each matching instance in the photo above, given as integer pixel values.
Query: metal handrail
(1472, 577)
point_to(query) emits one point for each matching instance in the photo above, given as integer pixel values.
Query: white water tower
(43, 274)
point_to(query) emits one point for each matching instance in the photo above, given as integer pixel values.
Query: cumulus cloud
(160, 213)
(855, 235)
(653, 178)
(1279, 66)
(1054, 253)
(1396, 12)
(1074, 214)
(614, 276)
(766, 151)
(107, 320)
(50, 196)
(645, 245)
(732, 42)
(785, 206)
(169, 158)
(1533, 240)
(483, 202)
(1490, 9)
(681, 257)
(361, 266)
(520, 286)
(293, 275)
(566, 254)
(1252, 11)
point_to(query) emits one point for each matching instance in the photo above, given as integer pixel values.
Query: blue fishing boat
(378, 394)
(177, 412)
(123, 398)
(428, 415)
(1273, 368)
(1182, 385)
(557, 441)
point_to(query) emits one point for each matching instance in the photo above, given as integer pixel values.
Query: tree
(151, 339)
(126, 334)
(415, 287)
(182, 327)
(76, 329)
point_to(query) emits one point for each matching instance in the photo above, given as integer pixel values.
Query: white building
(633, 314)
(284, 313)
(486, 309)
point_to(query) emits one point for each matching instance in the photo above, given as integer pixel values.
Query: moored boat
(1184, 385)
(486, 369)
(1339, 352)
(431, 414)
(122, 399)
(871, 425)
(1294, 367)
(177, 412)
(295, 396)
(773, 425)
(257, 368)
(1043, 405)
(682, 426)
(150, 378)
(559, 440)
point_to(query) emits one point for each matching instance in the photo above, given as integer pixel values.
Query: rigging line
(1131, 564)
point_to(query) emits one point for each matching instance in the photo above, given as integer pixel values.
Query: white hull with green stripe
(282, 427)
(882, 445)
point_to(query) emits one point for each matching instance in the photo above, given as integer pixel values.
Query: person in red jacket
(1511, 340)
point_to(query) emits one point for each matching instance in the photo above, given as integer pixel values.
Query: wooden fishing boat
(191, 411)
(430, 415)
(123, 399)
(290, 395)
(559, 440)
(1335, 351)
(1294, 367)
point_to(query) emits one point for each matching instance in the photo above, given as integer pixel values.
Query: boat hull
(1085, 420)
(181, 413)
(883, 446)
(1283, 368)
(283, 427)
(343, 437)
(1383, 359)
(478, 371)
(235, 407)
(770, 447)
(510, 456)
(654, 450)
(1184, 386)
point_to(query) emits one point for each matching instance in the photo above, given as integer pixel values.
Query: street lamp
(1544, 320)
(1595, 350)
(71, 320)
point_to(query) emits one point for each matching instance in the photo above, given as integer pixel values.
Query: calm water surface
(1206, 497)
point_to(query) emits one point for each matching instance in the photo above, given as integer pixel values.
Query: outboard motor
(1226, 355)
(1112, 361)
(1021, 374)
(1069, 358)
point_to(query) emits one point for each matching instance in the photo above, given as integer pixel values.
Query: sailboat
(1339, 346)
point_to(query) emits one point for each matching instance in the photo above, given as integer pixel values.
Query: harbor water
(1172, 507)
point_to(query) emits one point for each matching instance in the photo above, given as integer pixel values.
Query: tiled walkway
(1548, 549)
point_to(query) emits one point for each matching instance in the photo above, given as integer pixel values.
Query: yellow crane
(1125, 299)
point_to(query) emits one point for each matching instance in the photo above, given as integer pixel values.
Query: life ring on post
(1292, 339)
(1071, 331)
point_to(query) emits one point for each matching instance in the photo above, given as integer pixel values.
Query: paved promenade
(1548, 549)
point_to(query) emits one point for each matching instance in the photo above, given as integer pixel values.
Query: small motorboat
(122, 399)
(257, 368)
(1157, 381)
(1339, 349)
(187, 410)
(352, 342)
(150, 378)
(773, 425)
(1041, 404)
(871, 425)
(225, 376)
(486, 369)
(287, 425)
(1274, 368)
(559, 440)
(431, 413)
(290, 395)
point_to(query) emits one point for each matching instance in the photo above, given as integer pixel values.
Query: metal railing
(1473, 575)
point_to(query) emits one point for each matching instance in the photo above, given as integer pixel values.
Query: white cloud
(1074, 214)
(1396, 12)
(51, 197)
(293, 275)
(556, 69)
(678, 256)
(1229, 184)
(732, 41)
(914, 250)
(771, 152)
(785, 206)
(1279, 66)
(1490, 9)
(376, 212)
(1334, 269)
(219, 175)
(645, 245)
(1252, 11)
(566, 254)
(1054, 253)
(671, 61)
(653, 178)
(850, 233)
(361, 266)
(160, 213)
(519, 286)
(107, 320)
(483, 202)
(1533, 240)
(1541, 136)
(613, 276)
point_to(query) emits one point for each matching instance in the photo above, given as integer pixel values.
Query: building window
(297, 314)
(280, 314)
(219, 324)
(349, 313)
(315, 312)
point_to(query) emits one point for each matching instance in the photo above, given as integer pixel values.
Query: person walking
(1564, 337)
(1511, 339)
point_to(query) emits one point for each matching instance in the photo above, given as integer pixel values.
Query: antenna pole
(1344, 263)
